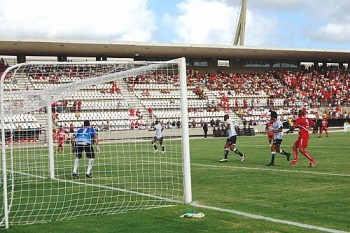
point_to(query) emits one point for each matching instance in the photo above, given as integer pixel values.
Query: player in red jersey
(61, 137)
(269, 132)
(303, 123)
(324, 127)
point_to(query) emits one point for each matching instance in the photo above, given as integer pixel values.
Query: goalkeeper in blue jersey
(231, 130)
(83, 140)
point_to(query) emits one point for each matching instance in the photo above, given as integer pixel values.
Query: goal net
(43, 107)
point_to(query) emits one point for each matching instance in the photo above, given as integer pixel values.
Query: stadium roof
(160, 50)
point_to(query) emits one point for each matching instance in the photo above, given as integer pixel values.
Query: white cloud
(276, 5)
(215, 22)
(204, 22)
(261, 30)
(313, 22)
(77, 19)
(327, 22)
(332, 32)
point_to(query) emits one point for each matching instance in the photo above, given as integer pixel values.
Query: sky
(293, 24)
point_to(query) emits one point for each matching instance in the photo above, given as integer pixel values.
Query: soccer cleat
(288, 156)
(155, 151)
(293, 162)
(312, 163)
(88, 175)
(270, 164)
(163, 152)
(242, 158)
(223, 160)
(75, 175)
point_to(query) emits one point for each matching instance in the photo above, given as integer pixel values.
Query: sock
(226, 153)
(237, 152)
(155, 147)
(295, 153)
(308, 156)
(76, 164)
(163, 148)
(90, 163)
(273, 157)
(282, 152)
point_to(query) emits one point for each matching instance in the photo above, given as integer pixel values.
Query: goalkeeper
(82, 141)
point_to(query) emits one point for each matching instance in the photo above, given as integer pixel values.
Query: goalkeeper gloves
(98, 149)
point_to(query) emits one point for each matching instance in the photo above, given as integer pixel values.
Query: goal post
(185, 133)
(44, 104)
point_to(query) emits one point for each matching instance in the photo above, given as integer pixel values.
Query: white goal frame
(36, 99)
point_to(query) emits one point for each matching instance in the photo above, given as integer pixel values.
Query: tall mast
(240, 31)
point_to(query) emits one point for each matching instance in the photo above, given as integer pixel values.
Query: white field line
(302, 225)
(260, 217)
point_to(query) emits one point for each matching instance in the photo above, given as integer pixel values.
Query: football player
(231, 129)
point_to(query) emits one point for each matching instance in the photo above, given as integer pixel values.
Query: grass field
(245, 197)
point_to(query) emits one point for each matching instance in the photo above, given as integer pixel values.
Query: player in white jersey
(231, 129)
(158, 137)
(277, 139)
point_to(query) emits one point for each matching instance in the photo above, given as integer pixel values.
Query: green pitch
(302, 199)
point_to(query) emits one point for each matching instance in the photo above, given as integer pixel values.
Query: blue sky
(300, 24)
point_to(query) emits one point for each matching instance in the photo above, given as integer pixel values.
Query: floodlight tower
(240, 31)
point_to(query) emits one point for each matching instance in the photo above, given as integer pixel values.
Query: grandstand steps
(211, 97)
(23, 82)
(132, 100)
(41, 119)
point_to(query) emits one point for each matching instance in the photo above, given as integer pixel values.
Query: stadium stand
(135, 102)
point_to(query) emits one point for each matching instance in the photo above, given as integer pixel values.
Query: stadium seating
(247, 97)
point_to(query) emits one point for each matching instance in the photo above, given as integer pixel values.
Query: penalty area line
(275, 220)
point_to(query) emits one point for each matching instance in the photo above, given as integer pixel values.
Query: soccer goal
(44, 104)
